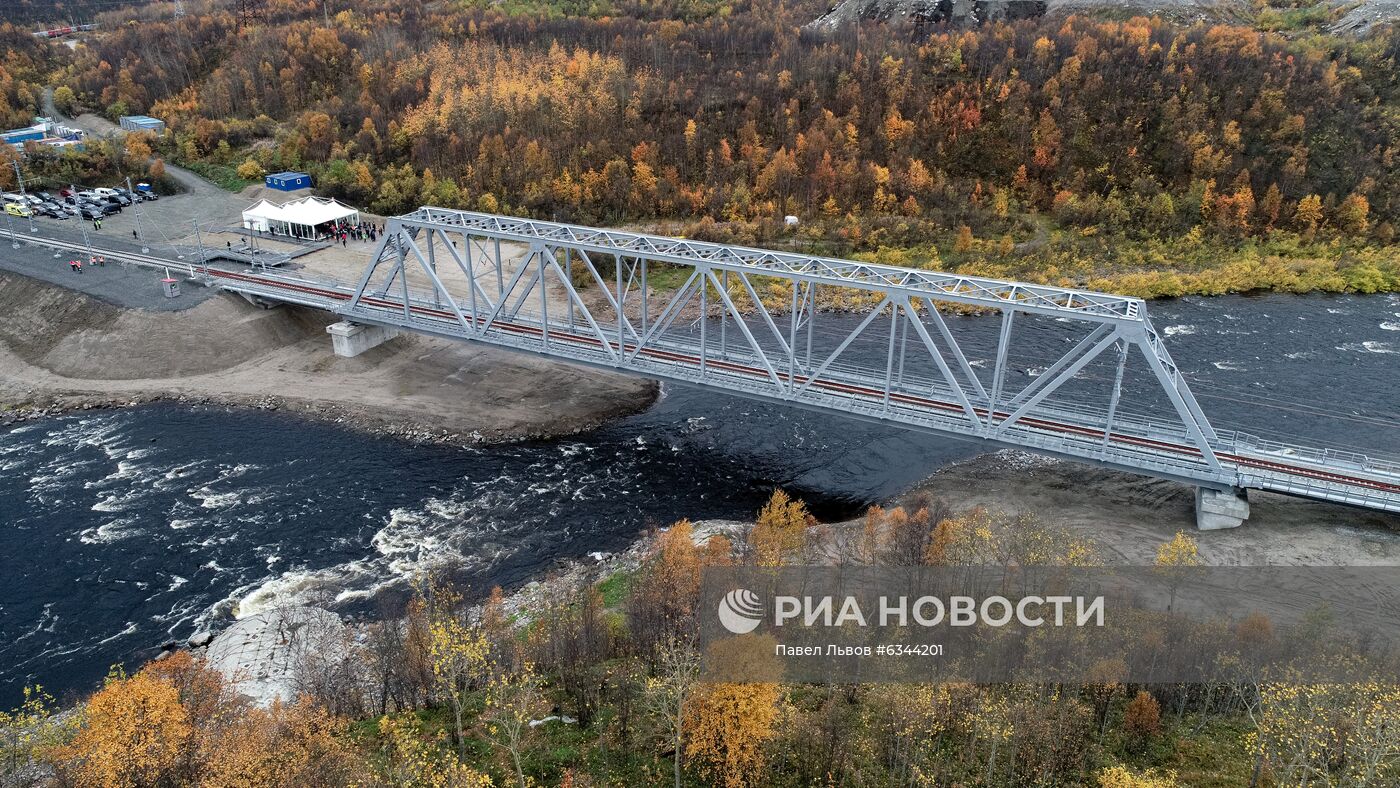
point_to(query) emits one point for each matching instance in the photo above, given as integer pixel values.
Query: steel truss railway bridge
(762, 324)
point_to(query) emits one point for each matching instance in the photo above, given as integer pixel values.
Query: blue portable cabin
(21, 136)
(142, 123)
(288, 181)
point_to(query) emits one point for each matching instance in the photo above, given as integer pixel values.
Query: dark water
(123, 529)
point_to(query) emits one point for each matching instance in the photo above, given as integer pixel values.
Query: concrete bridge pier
(1217, 509)
(351, 339)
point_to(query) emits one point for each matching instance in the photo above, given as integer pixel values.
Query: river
(127, 528)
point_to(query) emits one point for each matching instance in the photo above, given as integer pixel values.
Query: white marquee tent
(309, 217)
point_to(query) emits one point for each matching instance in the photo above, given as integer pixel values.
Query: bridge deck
(444, 273)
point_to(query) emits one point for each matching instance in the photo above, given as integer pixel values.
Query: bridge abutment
(351, 339)
(1217, 509)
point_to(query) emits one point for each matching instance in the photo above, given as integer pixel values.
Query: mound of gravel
(76, 336)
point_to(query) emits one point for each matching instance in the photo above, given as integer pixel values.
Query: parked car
(105, 201)
(9, 198)
(46, 197)
(90, 212)
(17, 209)
(112, 194)
(101, 206)
(53, 210)
(147, 193)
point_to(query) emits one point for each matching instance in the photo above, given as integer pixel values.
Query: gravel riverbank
(61, 350)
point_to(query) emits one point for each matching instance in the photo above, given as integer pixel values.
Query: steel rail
(391, 307)
(1130, 443)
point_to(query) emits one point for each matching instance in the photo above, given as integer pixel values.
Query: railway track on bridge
(692, 360)
(940, 402)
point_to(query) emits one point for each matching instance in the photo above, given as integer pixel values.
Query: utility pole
(199, 239)
(19, 181)
(140, 234)
(87, 243)
(10, 222)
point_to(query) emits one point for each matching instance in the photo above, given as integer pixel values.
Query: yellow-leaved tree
(780, 531)
(458, 652)
(513, 699)
(250, 170)
(410, 760)
(25, 731)
(728, 723)
(1175, 562)
(1343, 734)
(1123, 777)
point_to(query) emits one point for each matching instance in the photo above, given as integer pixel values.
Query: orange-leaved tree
(134, 733)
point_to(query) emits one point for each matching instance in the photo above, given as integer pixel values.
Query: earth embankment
(63, 349)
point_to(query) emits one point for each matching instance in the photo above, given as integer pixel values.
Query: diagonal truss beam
(972, 290)
(923, 375)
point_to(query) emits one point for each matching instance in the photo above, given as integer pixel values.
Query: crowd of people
(346, 232)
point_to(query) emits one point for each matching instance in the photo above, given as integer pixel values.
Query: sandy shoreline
(1128, 516)
(61, 350)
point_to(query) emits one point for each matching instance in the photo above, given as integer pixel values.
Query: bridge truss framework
(584, 294)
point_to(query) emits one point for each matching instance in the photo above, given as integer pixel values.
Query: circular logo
(740, 611)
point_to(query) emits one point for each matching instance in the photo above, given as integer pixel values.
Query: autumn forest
(601, 682)
(1118, 152)
(1137, 154)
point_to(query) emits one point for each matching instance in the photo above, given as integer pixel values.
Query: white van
(15, 198)
(105, 192)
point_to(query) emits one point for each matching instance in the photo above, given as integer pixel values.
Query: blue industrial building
(142, 123)
(288, 181)
(20, 136)
(45, 132)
